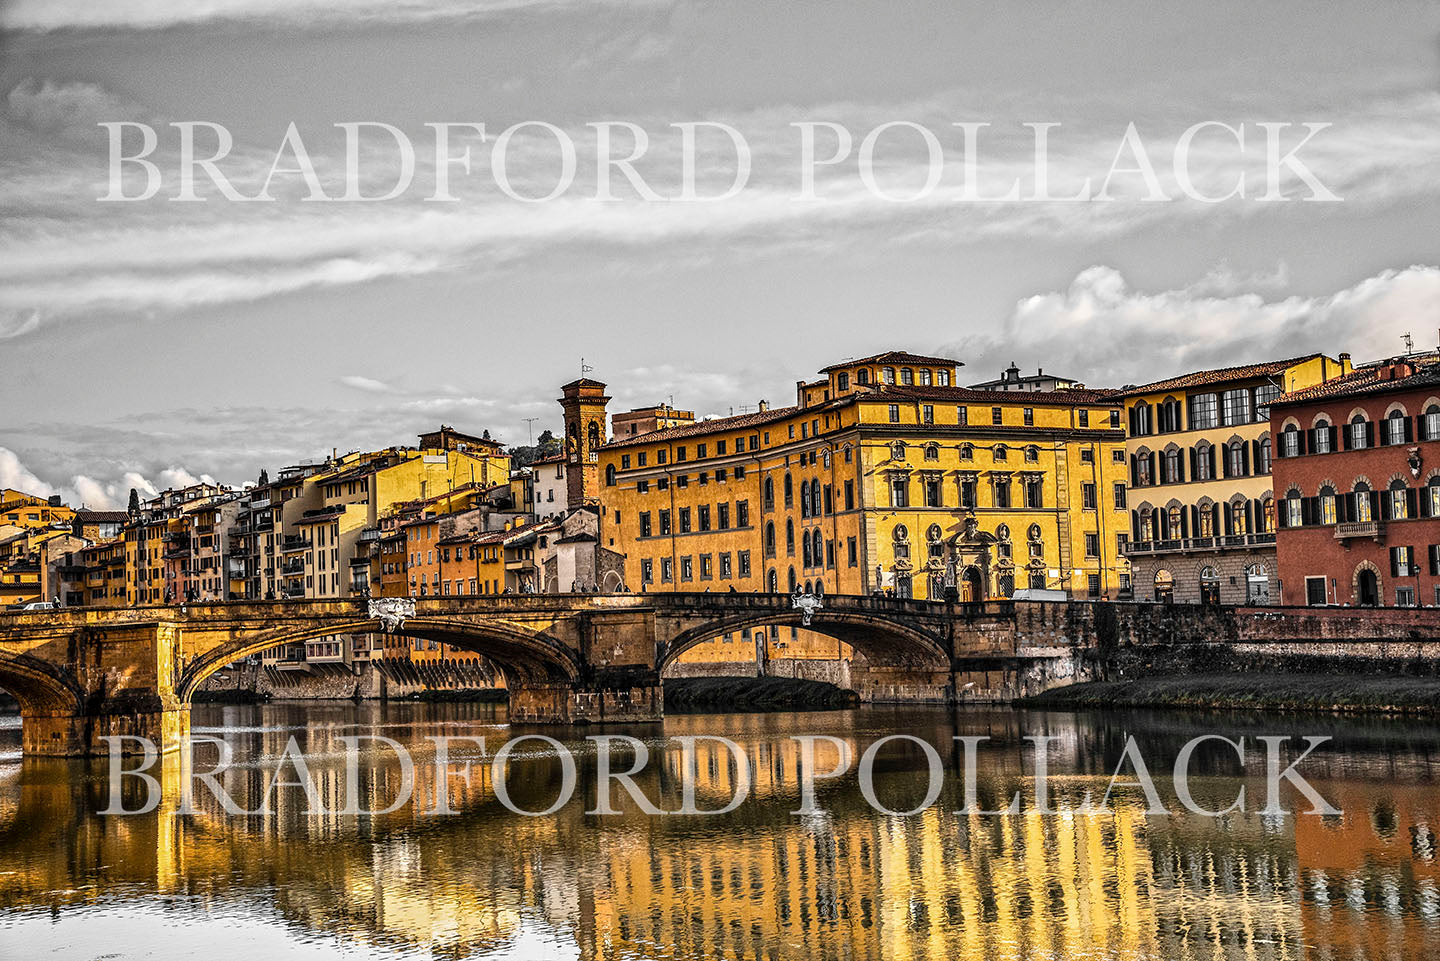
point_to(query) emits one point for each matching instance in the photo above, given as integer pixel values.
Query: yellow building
(19, 509)
(884, 476)
(1202, 525)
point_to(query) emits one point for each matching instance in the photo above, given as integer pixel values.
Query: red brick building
(1357, 489)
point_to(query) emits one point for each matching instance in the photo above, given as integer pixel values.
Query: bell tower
(584, 403)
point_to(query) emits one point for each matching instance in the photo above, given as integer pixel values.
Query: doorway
(970, 590)
(1367, 589)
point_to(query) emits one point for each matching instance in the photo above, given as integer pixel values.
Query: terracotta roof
(1061, 398)
(1361, 382)
(717, 425)
(1220, 375)
(895, 357)
(101, 517)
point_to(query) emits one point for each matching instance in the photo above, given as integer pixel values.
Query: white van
(38, 606)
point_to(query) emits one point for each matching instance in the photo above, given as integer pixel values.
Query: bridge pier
(632, 700)
(83, 735)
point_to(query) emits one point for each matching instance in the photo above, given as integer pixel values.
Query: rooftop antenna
(1409, 343)
(530, 425)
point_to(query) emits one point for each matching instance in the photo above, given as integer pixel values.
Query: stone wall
(342, 682)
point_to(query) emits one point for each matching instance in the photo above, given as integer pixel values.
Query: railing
(1173, 545)
(293, 543)
(292, 567)
(1375, 529)
(369, 534)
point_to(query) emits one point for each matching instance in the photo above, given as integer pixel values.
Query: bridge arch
(520, 654)
(880, 641)
(39, 686)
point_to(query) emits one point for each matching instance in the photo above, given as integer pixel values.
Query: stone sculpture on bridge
(392, 612)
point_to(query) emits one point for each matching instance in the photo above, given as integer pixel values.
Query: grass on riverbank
(698, 695)
(1301, 692)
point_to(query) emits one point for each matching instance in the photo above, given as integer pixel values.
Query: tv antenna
(530, 426)
(1409, 343)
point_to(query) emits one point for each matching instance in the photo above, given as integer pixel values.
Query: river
(846, 882)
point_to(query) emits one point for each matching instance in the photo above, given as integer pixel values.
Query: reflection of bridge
(80, 675)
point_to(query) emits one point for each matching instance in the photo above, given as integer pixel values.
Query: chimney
(763, 406)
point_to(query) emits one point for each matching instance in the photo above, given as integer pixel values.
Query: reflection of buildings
(760, 882)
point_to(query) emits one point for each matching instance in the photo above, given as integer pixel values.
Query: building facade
(1202, 521)
(884, 477)
(1357, 486)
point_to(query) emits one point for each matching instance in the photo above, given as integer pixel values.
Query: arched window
(1002, 452)
(1263, 466)
(804, 498)
(1173, 469)
(1202, 457)
(925, 378)
(1209, 585)
(862, 376)
(942, 378)
(1327, 505)
(1399, 500)
(825, 458)
(967, 452)
(887, 375)
(793, 581)
(789, 491)
(1239, 521)
(609, 475)
(1432, 423)
(1294, 509)
(594, 437)
(1032, 454)
(819, 588)
(790, 538)
(769, 538)
(1320, 437)
(805, 550)
(1205, 514)
(772, 580)
(897, 450)
(1235, 460)
(817, 547)
(1175, 529)
(769, 493)
(1397, 428)
(932, 451)
(1290, 441)
(815, 498)
(907, 377)
(1364, 507)
(1358, 432)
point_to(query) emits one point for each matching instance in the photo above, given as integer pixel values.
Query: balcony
(1375, 530)
(1199, 544)
(369, 534)
(294, 543)
(292, 567)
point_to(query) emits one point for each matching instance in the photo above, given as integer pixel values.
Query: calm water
(758, 883)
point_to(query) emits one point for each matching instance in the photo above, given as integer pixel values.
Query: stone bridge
(82, 674)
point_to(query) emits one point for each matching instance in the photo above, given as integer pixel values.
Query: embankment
(698, 695)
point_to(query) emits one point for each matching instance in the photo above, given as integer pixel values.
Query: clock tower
(584, 403)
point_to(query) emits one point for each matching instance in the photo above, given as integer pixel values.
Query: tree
(546, 446)
(134, 501)
(264, 478)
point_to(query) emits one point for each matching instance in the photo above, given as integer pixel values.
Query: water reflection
(757, 883)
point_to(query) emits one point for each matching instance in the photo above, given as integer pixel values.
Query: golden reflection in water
(757, 883)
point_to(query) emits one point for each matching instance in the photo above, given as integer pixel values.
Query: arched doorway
(1257, 584)
(1209, 586)
(971, 587)
(1367, 588)
(1164, 587)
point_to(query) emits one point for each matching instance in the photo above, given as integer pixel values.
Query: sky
(149, 343)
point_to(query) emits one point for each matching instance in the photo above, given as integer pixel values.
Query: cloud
(47, 15)
(367, 384)
(19, 323)
(50, 106)
(16, 476)
(1111, 334)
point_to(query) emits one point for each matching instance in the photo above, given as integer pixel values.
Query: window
(1399, 495)
(1320, 438)
(1359, 433)
(932, 451)
(744, 560)
(927, 413)
(1235, 460)
(1404, 597)
(932, 491)
(887, 375)
(1432, 423)
(1264, 395)
(907, 377)
(1364, 511)
(1202, 463)
(1084, 418)
(706, 570)
(702, 517)
(1395, 428)
(1002, 491)
(609, 475)
(862, 376)
(1263, 464)
(1093, 584)
(1119, 496)
(925, 378)
(852, 551)
(1029, 416)
(1034, 493)
(1315, 591)
(1173, 469)
(894, 413)
(684, 520)
(996, 416)
(1327, 505)
(664, 522)
(1092, 545)
(900, 538)
(725, 569)
(1402, 562)
(1032, 455)
(967, 452)
(962, 416)
(1087, 497)
(1204, 411)
(1294, 510)
(849, 495)
(899, 490)
(1432, 497)
(667, 570)
(722, 517)
(687, 569)
(1002, 453)
(790, 538)
(942, 377)
(1087, 455)
(1235, 407)
(842, 381)
(897, 450)
(967, 492)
